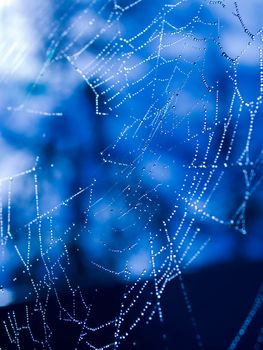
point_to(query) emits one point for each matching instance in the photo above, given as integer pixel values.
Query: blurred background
(131, 174)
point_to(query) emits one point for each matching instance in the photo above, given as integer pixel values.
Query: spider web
(181, 127)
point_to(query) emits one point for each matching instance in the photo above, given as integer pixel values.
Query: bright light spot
(138, 263)
(5, 3)
(6, 297)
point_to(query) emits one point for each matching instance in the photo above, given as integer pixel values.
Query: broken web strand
(252, 313)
